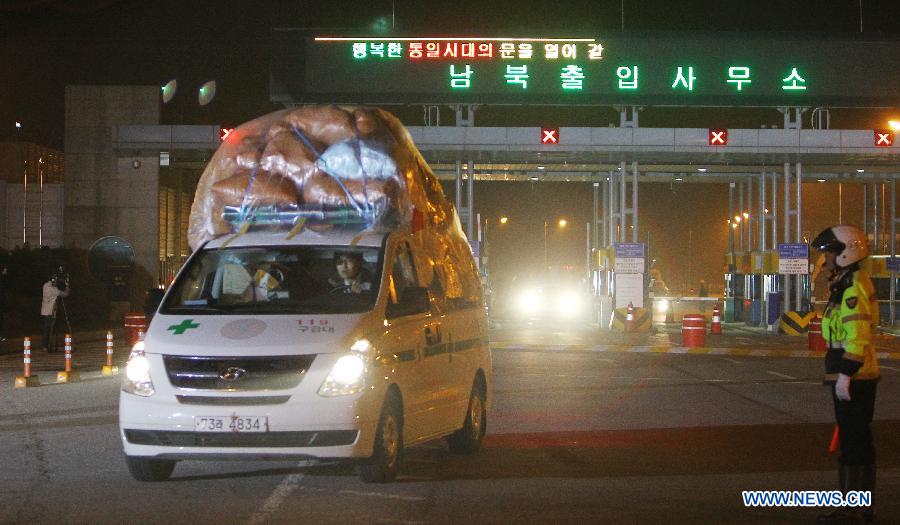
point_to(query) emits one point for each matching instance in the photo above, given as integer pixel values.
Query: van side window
(437, 287)
(403, 273)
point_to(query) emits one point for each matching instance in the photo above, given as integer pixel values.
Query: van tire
(384, 464)
(468, 439)
(144, 469)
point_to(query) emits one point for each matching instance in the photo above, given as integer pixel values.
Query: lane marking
(281, 492)
(730, 360)
(683, 350)
(778, 374)
(890, 368)
(382, 495)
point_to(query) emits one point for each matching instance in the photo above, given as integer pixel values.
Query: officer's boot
(868, 483)
(849, 478)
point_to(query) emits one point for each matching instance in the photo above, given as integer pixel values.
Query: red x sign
(549, 135)
(224, 132)
(884, 138)
(718, 137)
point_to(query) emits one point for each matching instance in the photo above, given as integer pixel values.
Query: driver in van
(351, 276)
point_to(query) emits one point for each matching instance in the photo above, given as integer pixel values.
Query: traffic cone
(715, 326)
(629, 318)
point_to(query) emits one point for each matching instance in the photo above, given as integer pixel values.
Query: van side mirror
(412, 300)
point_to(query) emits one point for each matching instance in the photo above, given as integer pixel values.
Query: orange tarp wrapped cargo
(324, 167)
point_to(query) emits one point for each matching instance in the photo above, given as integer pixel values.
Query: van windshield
(277, 280)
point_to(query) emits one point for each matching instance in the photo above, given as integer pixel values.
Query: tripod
(50, 334)
(65, 314)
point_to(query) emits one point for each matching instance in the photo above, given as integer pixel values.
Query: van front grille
(237, 373)
(232, 400)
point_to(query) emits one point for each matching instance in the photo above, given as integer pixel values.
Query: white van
(261, 350)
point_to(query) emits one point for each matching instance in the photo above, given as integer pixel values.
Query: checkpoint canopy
(676, 69)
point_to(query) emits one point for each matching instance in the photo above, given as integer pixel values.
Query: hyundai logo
(232, 373)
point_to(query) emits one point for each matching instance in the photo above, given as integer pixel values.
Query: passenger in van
(351, 276)
(267, 282)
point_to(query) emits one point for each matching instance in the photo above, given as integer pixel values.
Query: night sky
(47, 44)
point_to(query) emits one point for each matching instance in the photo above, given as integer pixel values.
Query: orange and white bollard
(715, 326)
(26, 379)
(68, 375)
(108, 369)
(629, 318)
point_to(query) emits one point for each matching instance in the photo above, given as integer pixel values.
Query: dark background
(48, 44)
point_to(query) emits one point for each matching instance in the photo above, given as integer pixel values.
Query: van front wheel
(468, 438)
(385, 461)
(144, 469)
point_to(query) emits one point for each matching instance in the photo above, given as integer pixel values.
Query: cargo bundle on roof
(318, 167)
(324, 167)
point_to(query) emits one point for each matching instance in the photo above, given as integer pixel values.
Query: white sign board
(629, 258)
(629, 289)
(793, 259)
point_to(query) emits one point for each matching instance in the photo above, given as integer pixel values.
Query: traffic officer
(851, 365)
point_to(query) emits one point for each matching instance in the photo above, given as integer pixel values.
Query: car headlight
(137, 378)
(662, 305)
(529, 301)
(568, 304)
(348, 374)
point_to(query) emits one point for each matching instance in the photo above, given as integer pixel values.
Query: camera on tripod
(60, 279)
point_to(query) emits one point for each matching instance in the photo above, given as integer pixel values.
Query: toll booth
(762, 287)
(736, 284)
(883, 269)
(601, 288)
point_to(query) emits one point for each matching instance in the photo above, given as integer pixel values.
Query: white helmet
(848, 242)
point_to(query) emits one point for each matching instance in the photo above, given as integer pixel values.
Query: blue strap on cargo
(362, 169)
(245, 210)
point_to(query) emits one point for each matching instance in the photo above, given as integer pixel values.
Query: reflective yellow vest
(848, 329)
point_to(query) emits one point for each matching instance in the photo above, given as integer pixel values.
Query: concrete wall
(44, 223)
(111, 192)
(4, 219)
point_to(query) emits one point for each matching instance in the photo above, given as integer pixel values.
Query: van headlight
(348, 374)
(137, 378)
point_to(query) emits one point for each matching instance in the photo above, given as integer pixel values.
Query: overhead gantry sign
(671, 69)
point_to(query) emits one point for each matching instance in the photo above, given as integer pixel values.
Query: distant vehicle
(559, 296)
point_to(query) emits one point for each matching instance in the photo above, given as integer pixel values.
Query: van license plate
(231, 424)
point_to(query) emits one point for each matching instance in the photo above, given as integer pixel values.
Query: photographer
(56, 286)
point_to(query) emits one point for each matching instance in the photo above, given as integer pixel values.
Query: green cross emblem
(185, 325)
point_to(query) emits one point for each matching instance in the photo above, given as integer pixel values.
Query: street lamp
(561, 224)
(504, 220)
(894, 125)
